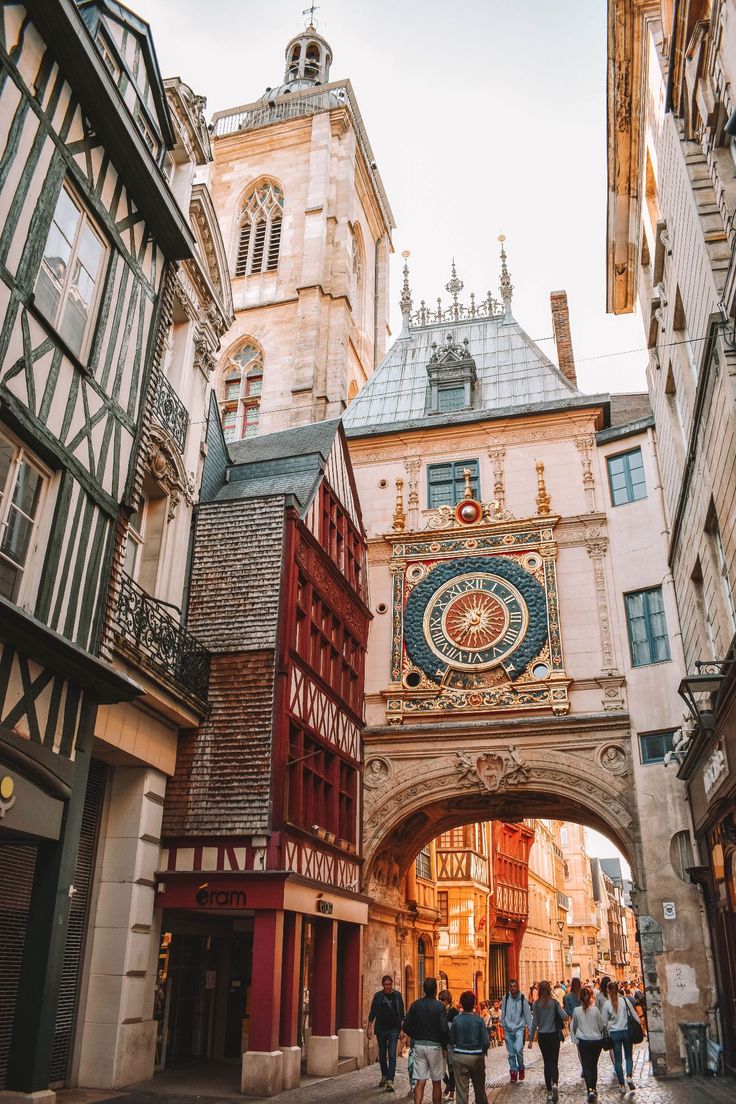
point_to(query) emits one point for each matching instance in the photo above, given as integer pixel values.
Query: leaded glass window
(450, 398)
(424, 863)
(259, 240)
(626, 477)
(647, 627)
(21, 487)
(241, 393)
(446, 483)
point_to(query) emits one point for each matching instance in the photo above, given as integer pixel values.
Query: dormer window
(451, 377)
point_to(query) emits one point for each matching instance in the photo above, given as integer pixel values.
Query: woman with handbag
(589, 1033)
(623, 1024)
(548, 1021)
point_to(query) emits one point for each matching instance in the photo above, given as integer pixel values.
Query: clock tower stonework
(307, 228)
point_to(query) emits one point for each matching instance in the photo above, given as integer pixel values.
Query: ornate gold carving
(543, 499)
(399, 522)
(496, 456)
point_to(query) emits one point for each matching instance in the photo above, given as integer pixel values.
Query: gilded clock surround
(475, 617)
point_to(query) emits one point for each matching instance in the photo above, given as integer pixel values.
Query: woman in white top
(586, 1032)
(616, 1018)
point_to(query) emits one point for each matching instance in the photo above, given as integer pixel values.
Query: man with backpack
(516, 1018)
(387, 1013)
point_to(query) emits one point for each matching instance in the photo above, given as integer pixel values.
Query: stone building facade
(482, 467)
(544, 948)
(671, 238)
(307, 228)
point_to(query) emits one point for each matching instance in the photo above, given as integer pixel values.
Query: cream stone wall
(320, 328)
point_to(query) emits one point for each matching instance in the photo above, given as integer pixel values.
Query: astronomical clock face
(475, 621)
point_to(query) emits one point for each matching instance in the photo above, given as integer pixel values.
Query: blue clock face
(471, 615)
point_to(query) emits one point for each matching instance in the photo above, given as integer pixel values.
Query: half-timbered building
(260, 872)
(106, 343)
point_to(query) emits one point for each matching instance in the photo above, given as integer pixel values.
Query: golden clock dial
(474, 621)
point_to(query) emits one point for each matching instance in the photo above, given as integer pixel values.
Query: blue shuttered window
(647, 627)
(626, 477)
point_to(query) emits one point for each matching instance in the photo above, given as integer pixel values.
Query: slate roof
(290, 462)
(513, 375)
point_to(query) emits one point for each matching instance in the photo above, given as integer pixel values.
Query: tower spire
(406, 300)
(505, 287)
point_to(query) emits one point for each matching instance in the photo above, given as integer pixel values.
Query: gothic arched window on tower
(240, 401)
(260, 230)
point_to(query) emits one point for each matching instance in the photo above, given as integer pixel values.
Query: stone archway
(425, 779)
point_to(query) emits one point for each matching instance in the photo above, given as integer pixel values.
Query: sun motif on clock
(475, 614)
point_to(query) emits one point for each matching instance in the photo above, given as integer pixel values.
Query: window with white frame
(68, 282)
(21, 488)
(241, 393)
(259, 237)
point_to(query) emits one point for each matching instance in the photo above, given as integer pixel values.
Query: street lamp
(560, 926)
(707, 681)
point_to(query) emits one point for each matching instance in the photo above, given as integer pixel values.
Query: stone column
(119, 1032)
(322, 1049)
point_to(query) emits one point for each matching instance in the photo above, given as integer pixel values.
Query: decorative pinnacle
(399, 520)
(505, 287)
(454, 286)
(467, 475)
(311, 24)
(543, 499)
(405, 300)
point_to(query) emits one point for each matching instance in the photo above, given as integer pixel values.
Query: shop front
(709, 770)
(260, 969)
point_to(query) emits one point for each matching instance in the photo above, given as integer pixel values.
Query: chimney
(563, 340)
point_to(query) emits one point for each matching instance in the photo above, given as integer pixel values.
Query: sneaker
(555, 1094)
(382, 1083)
(390, 1086)
(522, 1073)
(622, 1090)
(592, 1095)
(630, 1083)
(514, 1075)
(549, 1096)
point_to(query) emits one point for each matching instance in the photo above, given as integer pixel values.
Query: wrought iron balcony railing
(146, 624)
(171, 412)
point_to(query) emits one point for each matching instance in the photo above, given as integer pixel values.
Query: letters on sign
(325, 907)
(715, 769)
(220, 898)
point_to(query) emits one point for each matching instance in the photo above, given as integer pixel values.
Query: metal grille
(78, 923)
(498, 970)
(18, 863)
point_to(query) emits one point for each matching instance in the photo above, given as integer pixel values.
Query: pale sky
(485, 117)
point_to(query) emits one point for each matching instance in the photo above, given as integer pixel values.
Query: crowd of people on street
(447, 1042)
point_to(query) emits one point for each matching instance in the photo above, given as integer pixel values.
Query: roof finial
(454, 286)
(505, 287)
(406, 300)
(310, 12)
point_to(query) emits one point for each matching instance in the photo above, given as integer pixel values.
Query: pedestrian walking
(616, 1012)
(559, 993)
(602, 995)
(571, 1002)
(469, 1045)
(445, 998)
(426, 1026)
(516, 1019)
(587, 1030)
(385, 1018)
(495, 1017)
(548, 1020)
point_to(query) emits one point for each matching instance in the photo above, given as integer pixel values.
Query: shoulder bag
(633, 1024)
(559, 1021)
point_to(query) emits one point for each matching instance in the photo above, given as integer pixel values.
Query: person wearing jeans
(615, 1017)
(587, 1031)
(516, 1018)
(385, 1017)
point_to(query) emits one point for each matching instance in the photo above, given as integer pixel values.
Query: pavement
(218, 1085)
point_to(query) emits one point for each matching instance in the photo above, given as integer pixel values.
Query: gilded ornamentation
(543, 499)
(399, 522)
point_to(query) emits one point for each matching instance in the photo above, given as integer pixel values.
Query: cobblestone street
(361, 1087)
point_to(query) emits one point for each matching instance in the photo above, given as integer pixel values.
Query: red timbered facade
(262, 821)
(509, 904)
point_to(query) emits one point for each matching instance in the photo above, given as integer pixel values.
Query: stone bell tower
(307, 228)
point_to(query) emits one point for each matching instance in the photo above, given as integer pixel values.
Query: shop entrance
(203, 985)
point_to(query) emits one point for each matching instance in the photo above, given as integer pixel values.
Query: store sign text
(220, 898)
(714, 771)
(325, 907)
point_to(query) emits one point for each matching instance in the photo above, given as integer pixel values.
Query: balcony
(170, 411)
(563, 901)
(164, 644)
